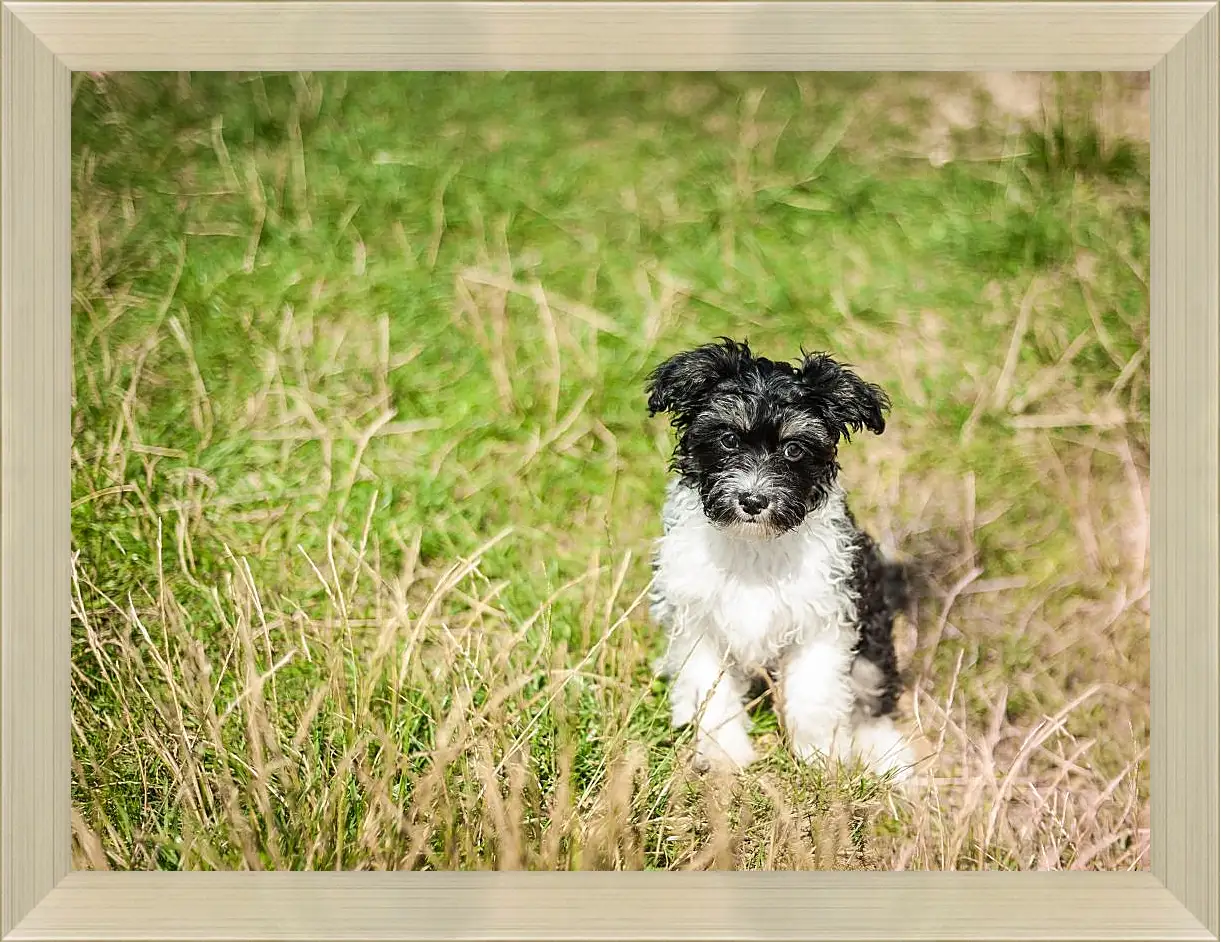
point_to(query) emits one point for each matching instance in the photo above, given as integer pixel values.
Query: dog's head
(758, 438)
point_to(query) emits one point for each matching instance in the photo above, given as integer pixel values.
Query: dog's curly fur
(762, 566)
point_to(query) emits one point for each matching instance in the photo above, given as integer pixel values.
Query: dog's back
(882, 590)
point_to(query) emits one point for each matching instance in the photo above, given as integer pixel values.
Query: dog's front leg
(817, 697)
(710, 693)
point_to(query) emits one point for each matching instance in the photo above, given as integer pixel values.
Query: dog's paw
(729, 749)
(880, 744)
(822, 748)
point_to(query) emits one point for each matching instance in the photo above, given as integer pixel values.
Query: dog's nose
(752, 503)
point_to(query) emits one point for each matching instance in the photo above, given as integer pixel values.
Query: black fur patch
(881, 590)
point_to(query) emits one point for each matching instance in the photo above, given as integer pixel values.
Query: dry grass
(364, 489)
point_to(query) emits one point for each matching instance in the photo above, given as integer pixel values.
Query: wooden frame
(40, 898)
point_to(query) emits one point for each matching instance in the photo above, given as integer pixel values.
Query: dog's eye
(728, 440)
(792, 451)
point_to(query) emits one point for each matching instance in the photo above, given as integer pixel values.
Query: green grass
(364, 485)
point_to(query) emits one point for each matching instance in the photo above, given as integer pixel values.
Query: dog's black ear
(682, 382)
(846, 400)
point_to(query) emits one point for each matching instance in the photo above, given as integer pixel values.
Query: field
(364, 486)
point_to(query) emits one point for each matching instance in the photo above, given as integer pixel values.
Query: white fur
(737, 600)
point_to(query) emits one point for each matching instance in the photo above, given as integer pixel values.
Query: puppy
(761, 566)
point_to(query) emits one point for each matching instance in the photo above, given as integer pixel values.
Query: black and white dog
(762, 567)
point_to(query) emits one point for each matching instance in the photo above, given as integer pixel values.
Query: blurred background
(364, 487)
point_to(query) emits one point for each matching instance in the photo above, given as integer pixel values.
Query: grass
(364, 485)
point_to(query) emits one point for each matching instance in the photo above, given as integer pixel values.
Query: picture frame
(41, 898)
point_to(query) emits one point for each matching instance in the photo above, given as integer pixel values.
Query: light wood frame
(42, 898)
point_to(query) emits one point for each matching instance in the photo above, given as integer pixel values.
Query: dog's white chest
(756, 596)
